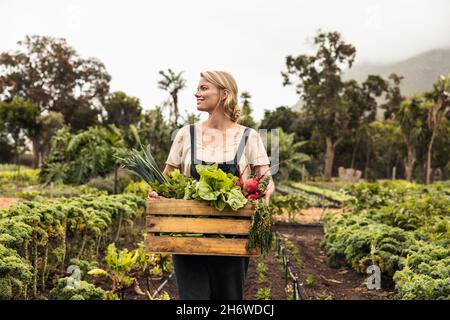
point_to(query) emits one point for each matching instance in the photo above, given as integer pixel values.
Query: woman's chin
(201, 108)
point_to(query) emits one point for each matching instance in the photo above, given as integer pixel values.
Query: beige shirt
(213, 146)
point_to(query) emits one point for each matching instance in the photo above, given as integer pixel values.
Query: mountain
(420, 71)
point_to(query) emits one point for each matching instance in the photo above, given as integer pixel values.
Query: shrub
(263, 294)
(107, 183)
(79, 290)
(140, 188)
(20, 178)
(77, 158)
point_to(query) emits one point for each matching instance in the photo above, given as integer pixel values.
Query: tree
(437, 111)
(7, 154)
(282, 117)
(394, 97)
(156, 131)
(122, 110)
(386, 141)
(48, 125)
(190, 118)
(172, 83)
(320, 86)
(246, 118)
(50, 73)
(18, 118)
(298, 123)
(411, 118)
(362, 110)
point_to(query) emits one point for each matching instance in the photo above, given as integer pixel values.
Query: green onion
(144, 165)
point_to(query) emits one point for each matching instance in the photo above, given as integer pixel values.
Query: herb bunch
(144, 165)
(261, 229)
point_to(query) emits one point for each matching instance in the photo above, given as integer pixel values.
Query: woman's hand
(270, 190)
(153, 195)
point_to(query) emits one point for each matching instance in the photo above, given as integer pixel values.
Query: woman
(234, 147)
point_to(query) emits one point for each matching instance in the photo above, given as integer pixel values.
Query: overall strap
(242, 144)
(193, 153)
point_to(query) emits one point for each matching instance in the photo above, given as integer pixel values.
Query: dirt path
(330, 283)
(6, 202)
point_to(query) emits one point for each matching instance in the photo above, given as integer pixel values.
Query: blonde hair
(225, 81)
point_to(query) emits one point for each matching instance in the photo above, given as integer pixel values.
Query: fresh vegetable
(261, 229)
(218, 187)
(122, 269)
(144, 165)
(254, 196)
(177, 185)
(251, 185)
(214, 186)
(255, 188)
(153, 194)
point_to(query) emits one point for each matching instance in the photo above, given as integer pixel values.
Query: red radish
(251, 185)
(239, 183)
(254, 196)
(153, 195)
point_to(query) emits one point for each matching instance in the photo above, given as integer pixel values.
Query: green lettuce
(214, 186)
(218, 187)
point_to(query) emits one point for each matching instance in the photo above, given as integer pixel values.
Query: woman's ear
(225, 94)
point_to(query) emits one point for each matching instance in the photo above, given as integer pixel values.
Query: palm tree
(172, 83)
(291, 160)
(246, 118)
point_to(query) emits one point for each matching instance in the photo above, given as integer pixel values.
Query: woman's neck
(219, 121)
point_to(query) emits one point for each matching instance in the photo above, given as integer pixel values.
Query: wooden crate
(191, 216)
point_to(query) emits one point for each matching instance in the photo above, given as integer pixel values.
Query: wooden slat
(198, 225)
(198, 246)
(192, 207)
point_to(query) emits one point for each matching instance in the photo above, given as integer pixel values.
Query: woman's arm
(261, 171)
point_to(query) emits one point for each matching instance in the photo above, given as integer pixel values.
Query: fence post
(296, 290)
(286, 271)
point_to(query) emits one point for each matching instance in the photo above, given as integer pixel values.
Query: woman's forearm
(168, 168)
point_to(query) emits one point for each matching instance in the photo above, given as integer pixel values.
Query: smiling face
(207, 96)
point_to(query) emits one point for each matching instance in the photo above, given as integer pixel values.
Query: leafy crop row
(404, 229)
(37, 238)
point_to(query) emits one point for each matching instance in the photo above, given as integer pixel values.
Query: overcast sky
(249, 39)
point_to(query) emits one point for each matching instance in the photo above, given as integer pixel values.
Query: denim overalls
(211, 277)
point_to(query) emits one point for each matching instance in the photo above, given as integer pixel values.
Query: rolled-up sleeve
(176, 150)
(257, 151)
